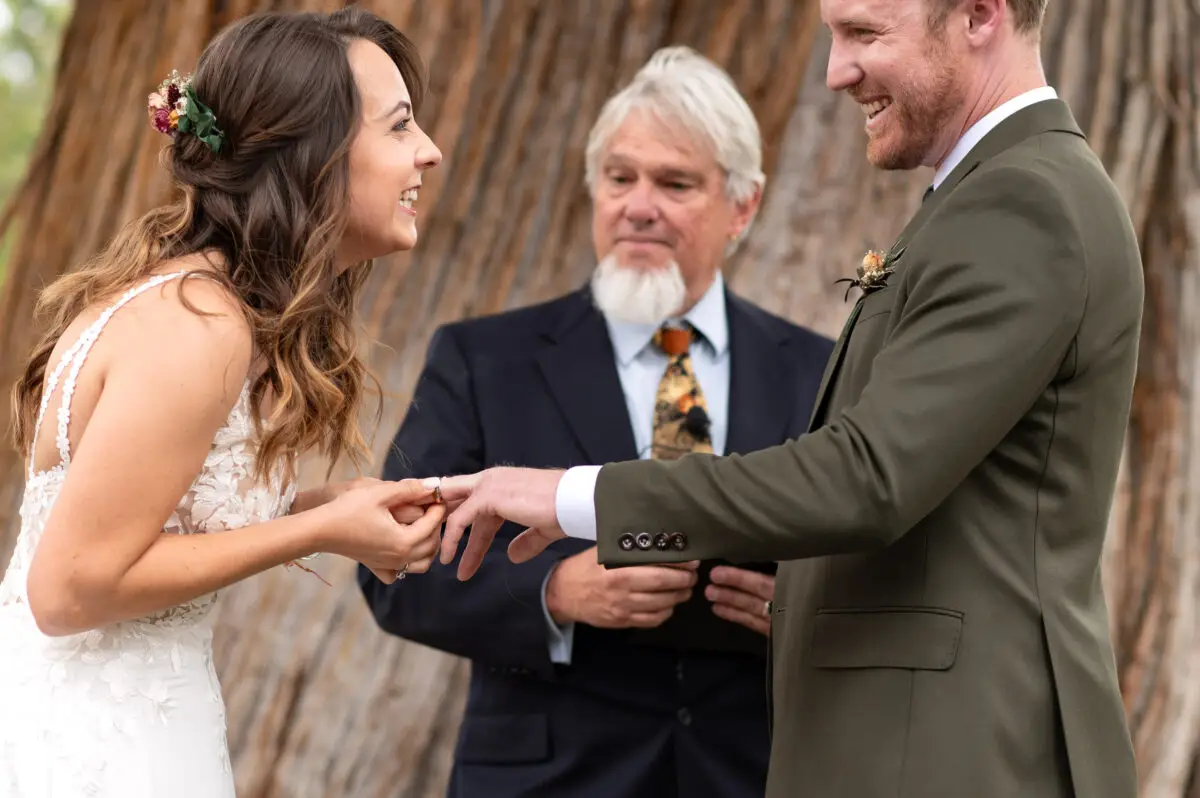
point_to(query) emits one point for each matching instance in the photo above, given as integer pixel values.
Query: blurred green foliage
(30, 32)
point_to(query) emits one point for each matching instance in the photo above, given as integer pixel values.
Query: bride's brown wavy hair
(273, 202)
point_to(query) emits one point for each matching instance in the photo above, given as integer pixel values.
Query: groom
(939, 627)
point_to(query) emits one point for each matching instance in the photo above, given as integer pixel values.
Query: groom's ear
(984, 20)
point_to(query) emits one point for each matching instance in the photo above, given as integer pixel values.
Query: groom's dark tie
(678, 393)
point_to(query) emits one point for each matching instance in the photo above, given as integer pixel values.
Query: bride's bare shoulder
(191, 322)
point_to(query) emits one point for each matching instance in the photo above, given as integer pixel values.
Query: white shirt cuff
(575, 502)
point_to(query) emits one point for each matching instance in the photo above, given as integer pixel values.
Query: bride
(184, 372)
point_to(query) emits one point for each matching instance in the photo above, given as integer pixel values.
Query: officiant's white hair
(682, 87)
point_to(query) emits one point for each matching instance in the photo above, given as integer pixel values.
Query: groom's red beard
(638, 295)
(922, 108)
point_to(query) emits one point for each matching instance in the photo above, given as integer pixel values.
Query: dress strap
(51, 384)
(75, 356)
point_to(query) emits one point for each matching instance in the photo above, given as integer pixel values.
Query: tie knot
(674, 340)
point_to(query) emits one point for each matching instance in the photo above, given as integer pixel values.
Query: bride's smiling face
(388, 159)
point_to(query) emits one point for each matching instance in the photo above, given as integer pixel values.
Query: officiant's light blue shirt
(640, 366)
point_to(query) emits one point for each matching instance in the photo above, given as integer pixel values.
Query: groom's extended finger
(527, 545)
(455, 490)
(456, 525)
(483, 532)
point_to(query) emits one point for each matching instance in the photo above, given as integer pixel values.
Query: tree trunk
(322, 703)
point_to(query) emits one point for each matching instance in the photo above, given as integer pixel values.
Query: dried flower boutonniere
(873, 272)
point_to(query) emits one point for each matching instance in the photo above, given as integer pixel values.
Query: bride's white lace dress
(132, 710)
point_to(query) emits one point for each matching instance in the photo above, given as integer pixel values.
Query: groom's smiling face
(902, 71)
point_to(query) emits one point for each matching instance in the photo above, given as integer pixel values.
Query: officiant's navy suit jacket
(539, 387)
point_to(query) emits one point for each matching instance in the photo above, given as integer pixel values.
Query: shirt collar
(707, 316)
(977, 131)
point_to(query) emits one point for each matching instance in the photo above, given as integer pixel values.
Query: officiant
(643, 681)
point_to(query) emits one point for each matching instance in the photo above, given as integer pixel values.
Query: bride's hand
(317, 497)
(383, 526)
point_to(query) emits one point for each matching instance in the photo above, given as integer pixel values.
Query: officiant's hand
(582, 590)
(742, 596)
(484, 501)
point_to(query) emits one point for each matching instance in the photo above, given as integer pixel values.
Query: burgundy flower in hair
(174, 109)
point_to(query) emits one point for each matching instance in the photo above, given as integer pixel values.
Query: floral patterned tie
(678, 393)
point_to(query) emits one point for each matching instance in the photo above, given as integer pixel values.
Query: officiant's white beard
(638, 296)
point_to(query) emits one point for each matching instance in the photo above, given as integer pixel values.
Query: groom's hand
(484, 501)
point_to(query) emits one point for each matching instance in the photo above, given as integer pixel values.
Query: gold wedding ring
(437, 492)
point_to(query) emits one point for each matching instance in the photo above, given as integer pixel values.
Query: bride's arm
(169, 379)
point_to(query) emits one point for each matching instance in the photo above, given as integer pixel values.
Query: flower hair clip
(174, 108)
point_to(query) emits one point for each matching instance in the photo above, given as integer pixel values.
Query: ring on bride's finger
(437, 492)
(403, 572)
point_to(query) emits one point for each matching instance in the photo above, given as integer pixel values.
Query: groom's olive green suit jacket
(939, 629)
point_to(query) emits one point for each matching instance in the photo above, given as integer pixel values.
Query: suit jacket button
(662, 541)
(625, 542)
(679, 541)
(644, 541)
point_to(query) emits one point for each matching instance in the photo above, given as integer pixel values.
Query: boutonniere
(873, 272)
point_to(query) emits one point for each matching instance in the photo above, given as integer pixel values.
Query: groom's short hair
(1027, 15)
(682, 87)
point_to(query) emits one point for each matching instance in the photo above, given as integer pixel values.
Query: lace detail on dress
(133, 709)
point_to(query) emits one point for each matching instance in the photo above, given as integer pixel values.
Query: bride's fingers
(421, 566)
(385, 575)
(428, 523)
(426, 547)
(408, 513)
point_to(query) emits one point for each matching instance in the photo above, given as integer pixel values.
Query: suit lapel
(762, 383)
(579, 367)
(1042, 117)
(831, 367)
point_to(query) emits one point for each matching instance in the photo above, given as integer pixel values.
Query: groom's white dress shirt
(640, 366)
(575, 500)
